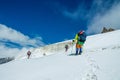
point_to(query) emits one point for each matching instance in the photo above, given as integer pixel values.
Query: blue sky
(43, 18)
(27, 23)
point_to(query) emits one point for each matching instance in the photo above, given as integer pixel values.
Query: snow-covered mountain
(99, 61)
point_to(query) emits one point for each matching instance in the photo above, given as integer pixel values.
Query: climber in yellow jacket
(80, 38)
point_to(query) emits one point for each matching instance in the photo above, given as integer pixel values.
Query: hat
(81, 32)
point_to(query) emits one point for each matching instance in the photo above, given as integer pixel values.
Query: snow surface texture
(99, 61)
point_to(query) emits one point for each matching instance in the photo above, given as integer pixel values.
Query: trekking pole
(72, 46)
(72, 49)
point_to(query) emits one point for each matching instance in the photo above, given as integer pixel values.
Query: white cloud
(10, 52)
(8, 34)
(77, 14)
(110, 19)
(101, 13)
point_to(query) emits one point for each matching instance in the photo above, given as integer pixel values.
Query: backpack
(82, 37)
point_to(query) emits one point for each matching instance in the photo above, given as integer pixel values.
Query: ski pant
(78, 49)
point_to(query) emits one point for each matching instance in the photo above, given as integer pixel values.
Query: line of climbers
(79, 39)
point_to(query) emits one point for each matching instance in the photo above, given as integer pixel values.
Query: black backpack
(82, 37)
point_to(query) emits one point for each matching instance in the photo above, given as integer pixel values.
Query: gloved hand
(73, 40)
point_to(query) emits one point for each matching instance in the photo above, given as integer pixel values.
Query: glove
(73, 40)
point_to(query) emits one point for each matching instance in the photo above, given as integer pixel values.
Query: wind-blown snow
(99, 61)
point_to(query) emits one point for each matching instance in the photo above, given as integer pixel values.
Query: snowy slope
(99, 61)
(47, 50)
